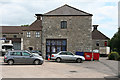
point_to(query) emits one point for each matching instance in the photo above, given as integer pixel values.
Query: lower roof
(11, 29)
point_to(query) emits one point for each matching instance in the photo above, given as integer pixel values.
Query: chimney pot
(39, 17)
(95, 27)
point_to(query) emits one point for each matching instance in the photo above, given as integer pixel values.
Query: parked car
(36, 52)
(65, 55)
(22, 57)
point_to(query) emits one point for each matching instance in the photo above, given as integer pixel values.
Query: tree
(114, 43)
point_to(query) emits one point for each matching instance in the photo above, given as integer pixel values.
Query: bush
(113, 56)
(118, 58)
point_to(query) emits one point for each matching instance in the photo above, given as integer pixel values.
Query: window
(69, 53)
(30, 48)
(63, 53)
(14, 36)
(48, 42)
(63, 24)
(26, 54)
(4, 36)
(105, 43)
(3, 47)
(37, 34)
(28, 34)
(15, 53)
(55, 45)
(97, 43)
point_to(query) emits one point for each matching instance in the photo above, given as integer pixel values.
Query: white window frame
(28, 34)
(37, 34)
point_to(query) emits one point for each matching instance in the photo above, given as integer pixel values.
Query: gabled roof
(98, 35)
(67, 10)
(11, 29)
(35, 26)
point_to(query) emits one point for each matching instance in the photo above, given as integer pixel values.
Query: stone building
(32, 36)
(63, 29)
(98, 38)
(67, 29)
(13, 33)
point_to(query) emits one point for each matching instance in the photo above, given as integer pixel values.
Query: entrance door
(54, 46)
(17, 45)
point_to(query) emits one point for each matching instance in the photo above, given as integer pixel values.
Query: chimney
(95, 27)
(38, 17)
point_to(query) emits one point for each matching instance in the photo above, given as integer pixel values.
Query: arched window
(63, 24)
(97, 43)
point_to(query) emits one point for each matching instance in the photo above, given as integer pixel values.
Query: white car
(68, 56)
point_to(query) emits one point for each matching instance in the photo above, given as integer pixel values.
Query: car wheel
(36, 62)
(79, 60)
(10, 62)
(58, 59)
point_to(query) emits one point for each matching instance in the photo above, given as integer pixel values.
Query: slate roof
(35, 26)
(66, 10)
(97, 35)
(11, 29)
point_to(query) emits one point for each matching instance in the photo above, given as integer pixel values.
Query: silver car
(65, 55)
(22, 57)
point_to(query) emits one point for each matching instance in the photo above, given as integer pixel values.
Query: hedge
(113, 56)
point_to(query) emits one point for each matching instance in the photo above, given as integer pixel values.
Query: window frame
(37, 34)
(97, 43)
(28, 34)
(63, 53)
(15, 53)
(15, 36)
(4, 35)
(25, 55)
(69, 53)
(63, 25)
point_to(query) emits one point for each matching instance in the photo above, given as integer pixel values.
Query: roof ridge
(33, 23)
(102, 34)
(78, 9)
(54, 9)
(69, 7)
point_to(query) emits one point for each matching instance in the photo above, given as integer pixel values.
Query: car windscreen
(7, 47)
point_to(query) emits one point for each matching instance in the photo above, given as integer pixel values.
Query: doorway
(54, 46)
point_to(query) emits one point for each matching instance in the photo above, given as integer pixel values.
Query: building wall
(32, 41)
(10, 35)
(16, 41)
(78, 32)
(101, 43)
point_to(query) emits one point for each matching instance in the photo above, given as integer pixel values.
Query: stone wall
(33, 41)
(12, 35)
(78, 32)
(101, 43)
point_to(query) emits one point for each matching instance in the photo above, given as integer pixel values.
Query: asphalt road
(51, 69)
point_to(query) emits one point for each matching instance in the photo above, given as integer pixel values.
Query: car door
(17, 57)
(63, 55)
(27, 57)
(70, 56)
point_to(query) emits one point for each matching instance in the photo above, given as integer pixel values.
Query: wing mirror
(31, 55)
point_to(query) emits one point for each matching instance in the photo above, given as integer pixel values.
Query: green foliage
(114, 43)
(25, 25)
(118, 58)
(113, 56)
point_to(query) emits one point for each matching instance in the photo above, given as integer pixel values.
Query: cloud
(19, 12)
(119, 14)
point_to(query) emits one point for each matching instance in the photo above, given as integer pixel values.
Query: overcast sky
(21, 12)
